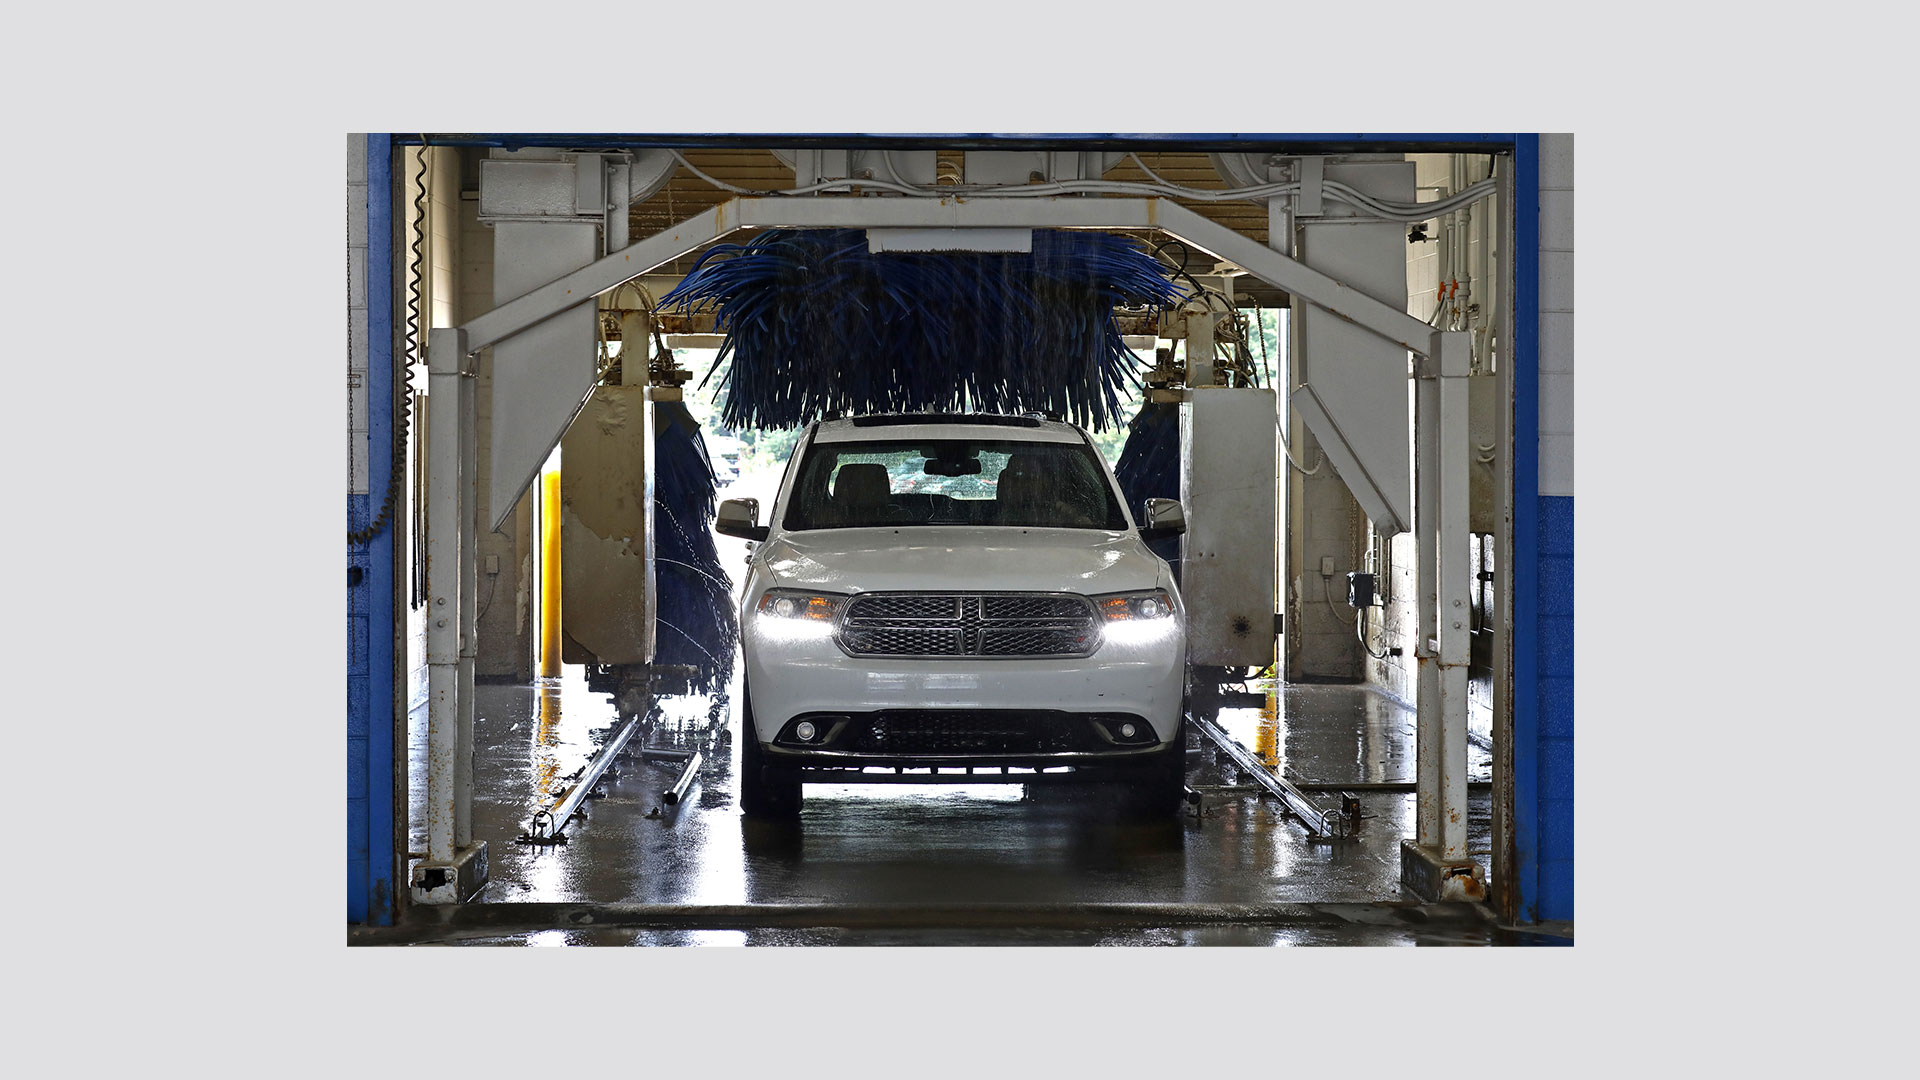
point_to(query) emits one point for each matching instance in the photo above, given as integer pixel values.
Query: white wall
(356, 314)
(1556, 314)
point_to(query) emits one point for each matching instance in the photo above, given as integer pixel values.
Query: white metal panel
(1356, 378)
(607, 601)
(543, 373)
(357, 345)
(512, 188)
(1227, 570)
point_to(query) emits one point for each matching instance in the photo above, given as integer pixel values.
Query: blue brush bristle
(697, 625)
(818, 326)
(1149, 467)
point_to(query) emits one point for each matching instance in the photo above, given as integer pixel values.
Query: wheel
(1163, 787)
(766, 791)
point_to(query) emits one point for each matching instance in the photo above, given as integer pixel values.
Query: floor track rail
(1318, 822)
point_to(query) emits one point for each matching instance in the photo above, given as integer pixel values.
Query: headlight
(801, 606)
(1138, 618)
(1124, 608)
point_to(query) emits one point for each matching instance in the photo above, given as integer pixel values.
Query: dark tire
(766, 791)
(1162, 788)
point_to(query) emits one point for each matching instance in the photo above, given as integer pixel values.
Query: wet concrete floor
(938, 864)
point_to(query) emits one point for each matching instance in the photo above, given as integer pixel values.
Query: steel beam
(1065, 212)
(571, 290)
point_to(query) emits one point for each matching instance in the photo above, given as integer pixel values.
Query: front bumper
(795, 671)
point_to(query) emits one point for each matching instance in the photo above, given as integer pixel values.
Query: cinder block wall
(1554, 626)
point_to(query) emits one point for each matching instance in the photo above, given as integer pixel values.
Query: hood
(953, 557)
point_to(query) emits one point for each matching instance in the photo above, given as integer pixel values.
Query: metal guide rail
(1322, 825)
(549, 825)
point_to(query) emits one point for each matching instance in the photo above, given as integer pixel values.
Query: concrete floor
(946, 864)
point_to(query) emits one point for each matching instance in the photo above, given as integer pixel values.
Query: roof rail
(899, 419)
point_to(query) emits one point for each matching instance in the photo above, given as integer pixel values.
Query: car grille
(909, 733)
(999, 625)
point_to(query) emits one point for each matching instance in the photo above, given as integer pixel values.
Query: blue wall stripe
(1526, 513)
(1555, 704)
(370, 622)
(1476, 142)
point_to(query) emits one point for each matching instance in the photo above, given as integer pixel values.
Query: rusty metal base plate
(451, 883)
(1433, 878)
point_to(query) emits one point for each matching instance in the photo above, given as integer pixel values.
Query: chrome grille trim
(979, 625)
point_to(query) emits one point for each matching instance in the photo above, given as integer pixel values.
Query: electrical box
(1359, 590)
(1227, 454)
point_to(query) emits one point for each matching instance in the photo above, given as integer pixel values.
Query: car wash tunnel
(960, 539)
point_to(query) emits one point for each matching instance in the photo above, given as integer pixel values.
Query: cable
(1361, 627)
(1331, 610)
(1319, 457)
(1266, 370)
(1402, 212)
(886, 158)
(493, 583)
(721, 184)
(1151, 175)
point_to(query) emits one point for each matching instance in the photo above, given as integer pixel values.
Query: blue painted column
(1526, 516)
(370, 580)
(1542, 583)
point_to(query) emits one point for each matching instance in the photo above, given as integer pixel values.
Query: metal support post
(1455, 587)
(469, 612)
(443, 591)
(1428, 705)
(452, 871)
(1436, 864)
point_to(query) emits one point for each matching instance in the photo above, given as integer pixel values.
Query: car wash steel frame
(374, 777)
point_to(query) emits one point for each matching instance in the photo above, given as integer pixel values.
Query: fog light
(1127, 731)
(805, 731)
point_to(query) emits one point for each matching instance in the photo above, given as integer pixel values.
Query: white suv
(965, 597)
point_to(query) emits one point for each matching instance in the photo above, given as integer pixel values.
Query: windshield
(854, 485)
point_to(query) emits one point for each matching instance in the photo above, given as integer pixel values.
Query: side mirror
(1165, 517)
(740, 517)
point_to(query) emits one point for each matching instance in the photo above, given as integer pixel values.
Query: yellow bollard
(550, 575)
